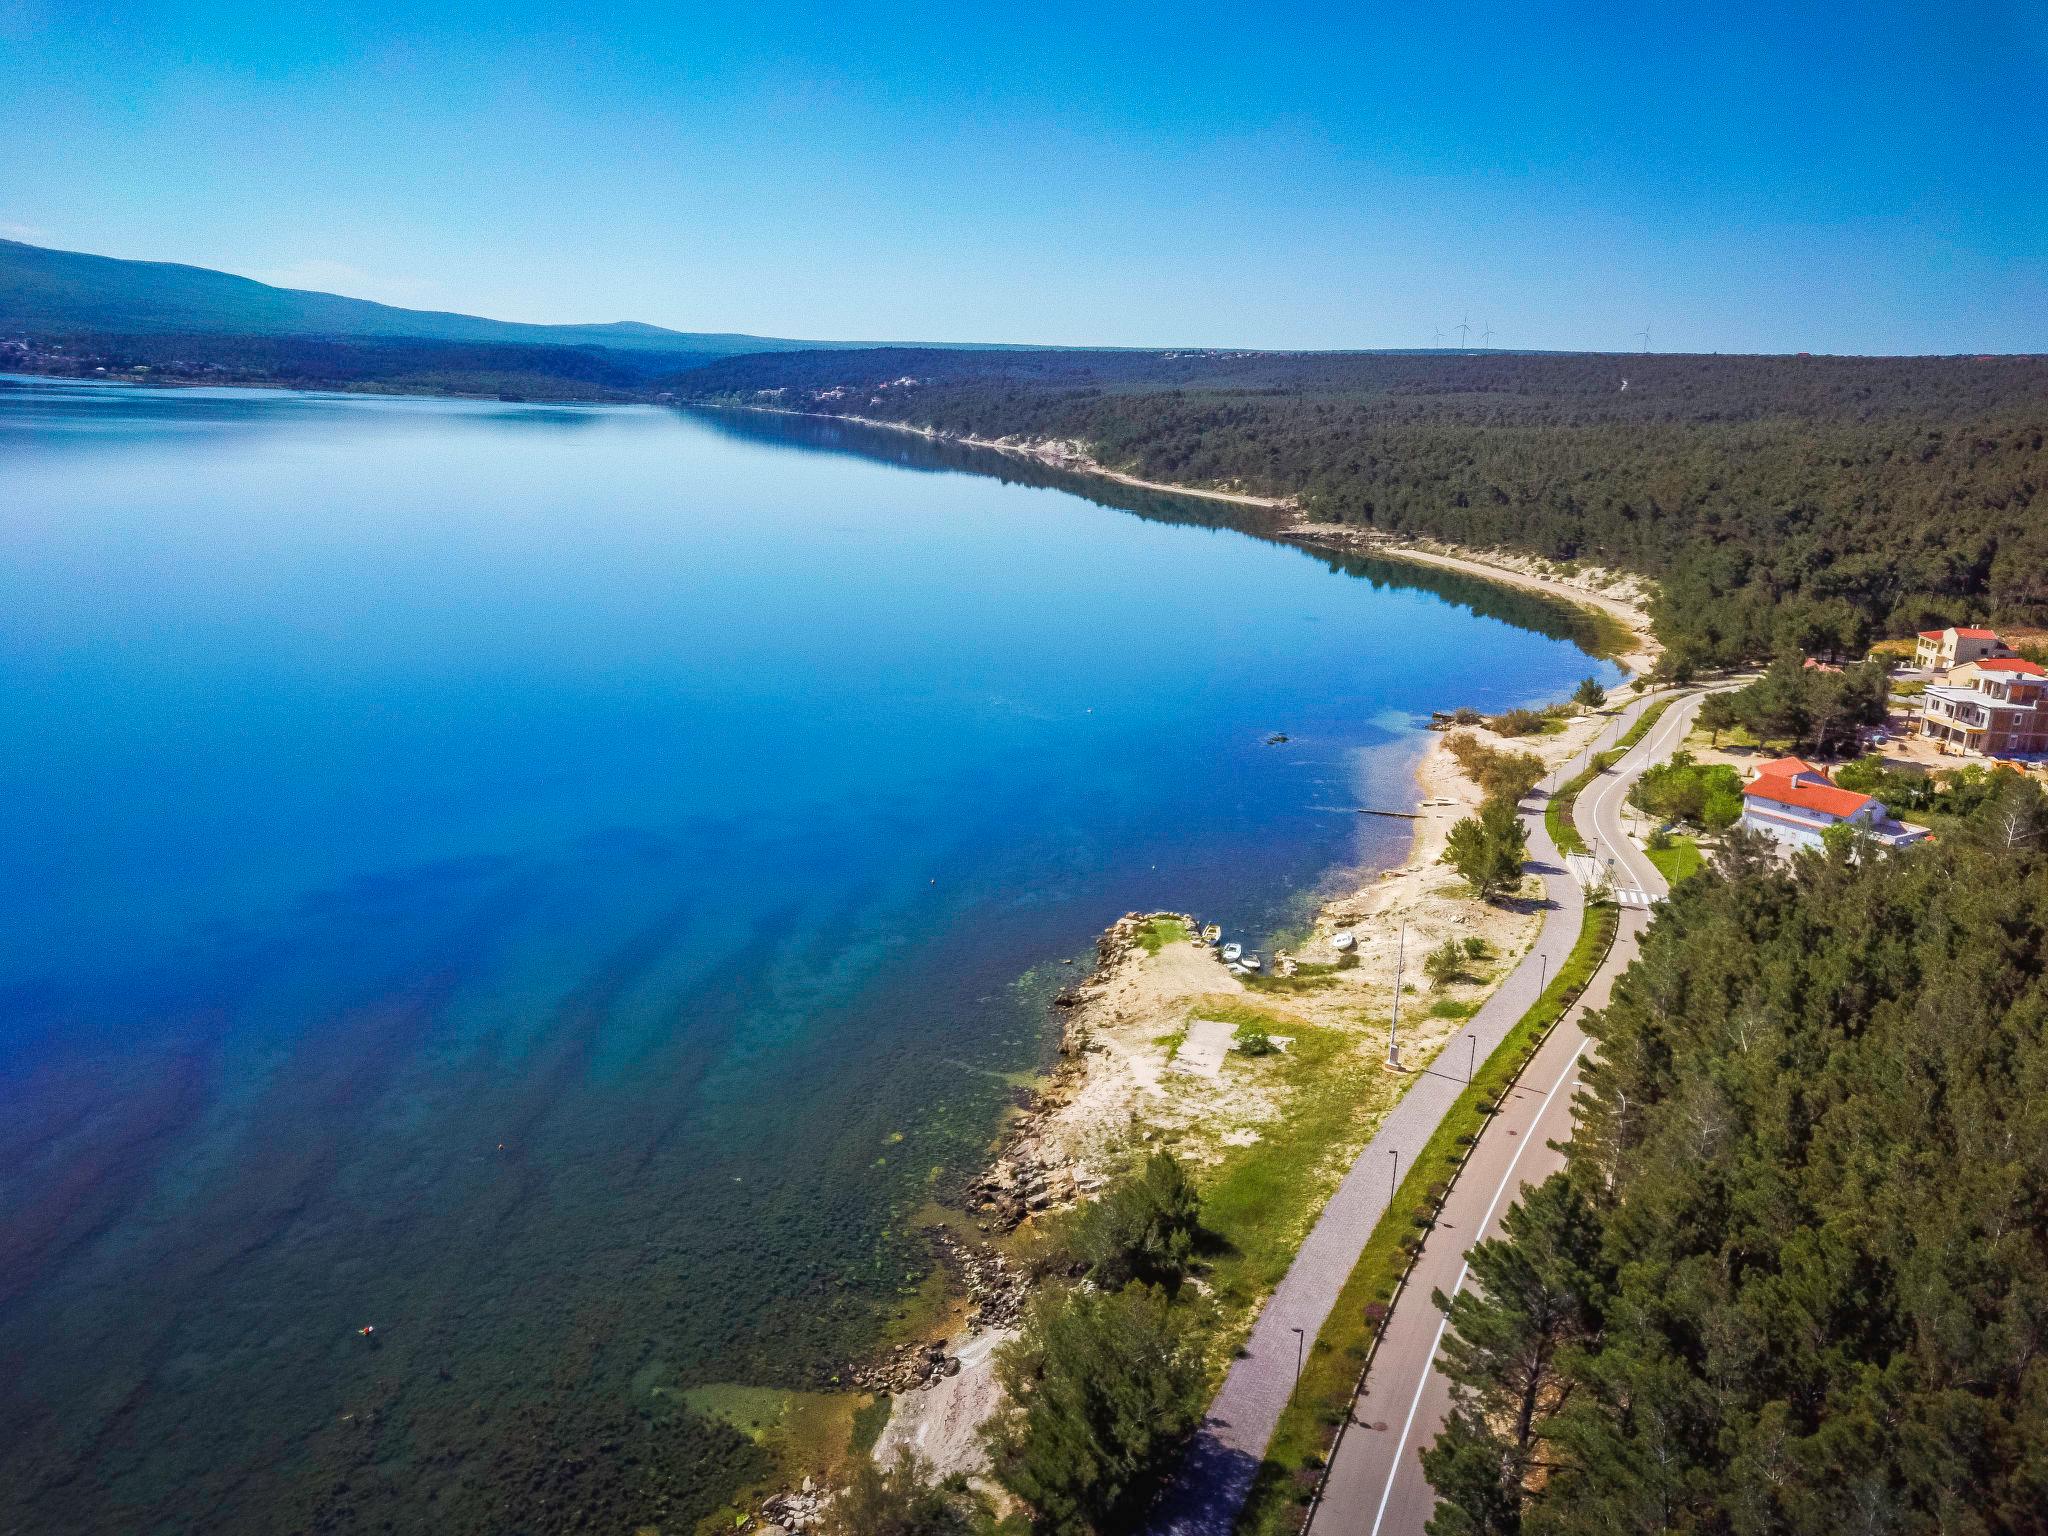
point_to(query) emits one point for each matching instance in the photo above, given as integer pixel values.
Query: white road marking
(1428, 1369)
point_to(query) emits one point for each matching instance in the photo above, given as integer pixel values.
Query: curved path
(1209, 1489)
(1376, 1486)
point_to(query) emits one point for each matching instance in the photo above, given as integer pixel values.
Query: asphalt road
(1376, 1486)
(1208, 1491)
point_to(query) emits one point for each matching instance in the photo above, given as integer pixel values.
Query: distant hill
(69, 293)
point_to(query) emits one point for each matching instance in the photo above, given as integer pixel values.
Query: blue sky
(1856, 178)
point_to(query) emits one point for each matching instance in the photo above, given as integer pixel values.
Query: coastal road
(1206, 1493)
(1376, 1486)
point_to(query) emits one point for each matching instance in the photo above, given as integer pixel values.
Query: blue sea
(564, 886)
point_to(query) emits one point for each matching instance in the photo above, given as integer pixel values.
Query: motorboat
(1232, 952)
(1253, 963)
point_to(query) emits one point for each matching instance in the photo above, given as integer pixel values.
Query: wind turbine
(1436, 337)
(1464, 328)
(1486, 336)
(1645, 334)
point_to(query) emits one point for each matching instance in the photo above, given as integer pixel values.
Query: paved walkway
(1206, 1494)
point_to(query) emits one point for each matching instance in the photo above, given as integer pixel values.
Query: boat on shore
(1343, 940)
(1233, 952)
(1253, 963)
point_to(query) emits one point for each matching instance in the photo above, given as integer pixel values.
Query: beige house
(1993, 707)
(1941, 649)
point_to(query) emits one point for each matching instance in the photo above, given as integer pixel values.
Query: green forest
(1795, 1275)
(1814, 503)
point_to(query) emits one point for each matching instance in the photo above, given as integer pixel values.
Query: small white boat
(1211, 934)
(1238, 970)
(1343, 940)
(1231, 952)
(1253, 963)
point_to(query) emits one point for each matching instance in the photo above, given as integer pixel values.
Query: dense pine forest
(1779, 501)
(1795, 1277)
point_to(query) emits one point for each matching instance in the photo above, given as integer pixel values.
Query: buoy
(367, 1329)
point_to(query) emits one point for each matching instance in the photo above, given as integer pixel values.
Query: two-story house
(1993, 707)
(1940, 649)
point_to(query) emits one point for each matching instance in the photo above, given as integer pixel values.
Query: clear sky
(1794, 177)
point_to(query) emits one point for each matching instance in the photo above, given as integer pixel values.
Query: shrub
(1445, 963)
(1500, 775)
(1251, 1040)
(1516, 722)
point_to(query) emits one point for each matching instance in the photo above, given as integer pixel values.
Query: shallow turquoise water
(561, 886)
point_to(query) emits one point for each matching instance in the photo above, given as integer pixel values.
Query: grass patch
(1329, 1378)
(1452, 1008)
(1262, 1199)
(1679, 861)
(1159, 932)
(1307, 977)
(1225, 1009)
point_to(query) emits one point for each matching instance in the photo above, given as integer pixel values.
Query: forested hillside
(46, 292)
(1818, 502)
(306, 362)
(1795, 1278)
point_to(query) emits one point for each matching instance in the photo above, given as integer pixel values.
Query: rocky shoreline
(1028, 1176)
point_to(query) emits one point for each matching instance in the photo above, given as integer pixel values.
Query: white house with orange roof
(1793, 802)
(1996, 706)
(1940, 649)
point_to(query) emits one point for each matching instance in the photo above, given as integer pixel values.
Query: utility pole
(1394, 1025)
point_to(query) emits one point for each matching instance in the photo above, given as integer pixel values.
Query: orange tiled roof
(1785, 767)
(2011, 664)
(1826, 798)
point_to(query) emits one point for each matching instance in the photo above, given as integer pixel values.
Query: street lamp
(1542, 975)
(1394, 1024)
(1393, 1177)
(1472, 1056)
(1300, 1341)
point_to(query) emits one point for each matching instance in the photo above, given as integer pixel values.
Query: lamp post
(1393, 1177)
(1300, 1340)
(1394, 1024)
(1471, 1057)
(1542, 975)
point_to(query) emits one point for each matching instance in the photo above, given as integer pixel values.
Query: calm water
(564, 886)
